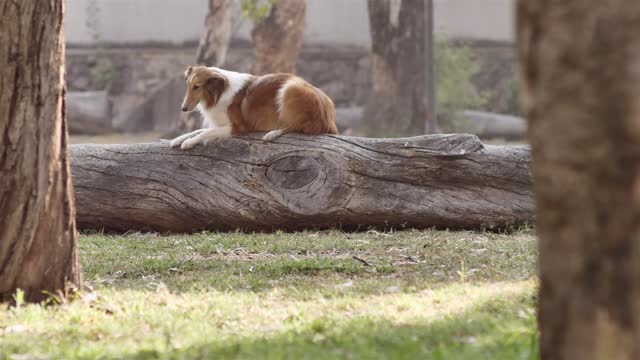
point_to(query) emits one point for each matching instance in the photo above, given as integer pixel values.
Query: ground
(311, 295)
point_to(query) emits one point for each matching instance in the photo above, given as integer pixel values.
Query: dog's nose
(184, 108)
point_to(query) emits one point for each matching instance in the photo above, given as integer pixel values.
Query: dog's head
(204, 85)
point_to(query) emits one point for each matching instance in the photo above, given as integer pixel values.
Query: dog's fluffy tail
(305, 109)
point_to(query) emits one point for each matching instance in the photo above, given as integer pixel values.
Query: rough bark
(581, 90)
(303, 183)
(399, 69)
(212, 51)
(37, 220)
(277, 38)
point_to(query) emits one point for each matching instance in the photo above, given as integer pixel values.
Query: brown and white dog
(234, 103)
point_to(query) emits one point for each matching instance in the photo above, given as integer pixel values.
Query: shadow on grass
(496, 329)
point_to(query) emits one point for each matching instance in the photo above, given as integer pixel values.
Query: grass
(311, 295)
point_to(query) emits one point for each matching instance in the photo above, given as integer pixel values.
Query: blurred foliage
(455, 66)
(507, 97)
(104, 72)
(256, 10)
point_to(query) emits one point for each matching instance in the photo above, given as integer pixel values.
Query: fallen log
(302, 182)
(490, 126)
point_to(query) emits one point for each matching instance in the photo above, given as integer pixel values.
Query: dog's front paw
(272, 135)
(189, 143)
(176, 142)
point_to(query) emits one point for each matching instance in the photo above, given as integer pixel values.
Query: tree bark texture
(277, 38)
(581, 95)
(302, 182)
(399, 69)
(37, 219)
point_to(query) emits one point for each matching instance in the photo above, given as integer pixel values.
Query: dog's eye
(196, 87)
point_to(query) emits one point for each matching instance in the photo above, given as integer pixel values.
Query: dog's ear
(216, 81)
(215, 86)
(188, 72)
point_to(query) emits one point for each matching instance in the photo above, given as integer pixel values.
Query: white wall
(476, 19)
(125, 21)
(328, 21)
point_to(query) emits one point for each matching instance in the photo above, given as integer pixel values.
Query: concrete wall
(341, 22)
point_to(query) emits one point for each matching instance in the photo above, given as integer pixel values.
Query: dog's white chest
(217, 116)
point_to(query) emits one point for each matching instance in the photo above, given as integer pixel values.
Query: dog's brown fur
(271, 102)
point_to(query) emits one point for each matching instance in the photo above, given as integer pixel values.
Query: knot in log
(308, 182)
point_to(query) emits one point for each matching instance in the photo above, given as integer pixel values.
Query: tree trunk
(581, 90)
(277, 38)
(399, 69)
(214, 42)
(302, 182)
(212, 51)
(37, 219)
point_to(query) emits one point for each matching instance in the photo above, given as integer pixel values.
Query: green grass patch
(312, 295)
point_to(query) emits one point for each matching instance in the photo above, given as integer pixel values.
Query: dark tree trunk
(581, 94)
(37, 218)
(303, 182)
(400, 67)
(212, 51)
(277, 38)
